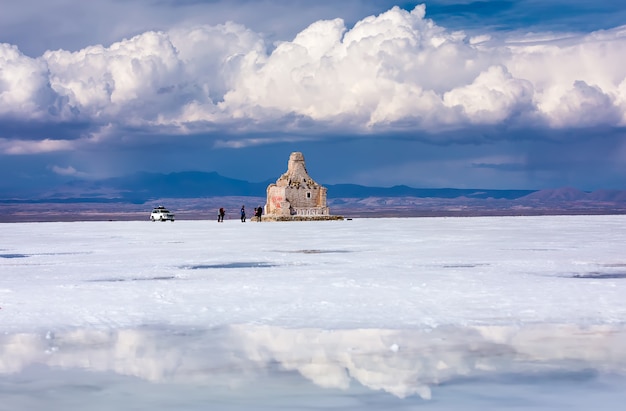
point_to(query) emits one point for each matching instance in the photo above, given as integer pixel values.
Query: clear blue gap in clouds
(561, 15)
(69, 134)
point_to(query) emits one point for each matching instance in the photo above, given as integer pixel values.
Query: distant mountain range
(142, 187)
(196, 195)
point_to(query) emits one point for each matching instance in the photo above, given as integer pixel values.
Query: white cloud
(21, 147)
(155, 77)
(67, 171)
(101, 81)
(24, 90)
(584, 105)
(387, 68)
(559, 69)
(492, 98)
(256, 141)
(397, 69)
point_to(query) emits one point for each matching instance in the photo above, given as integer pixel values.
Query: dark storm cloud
(34, 130)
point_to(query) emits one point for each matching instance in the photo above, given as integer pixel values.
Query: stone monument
(296, 196)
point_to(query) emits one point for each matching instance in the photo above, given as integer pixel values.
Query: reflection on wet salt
(345, 365)
(406, 363)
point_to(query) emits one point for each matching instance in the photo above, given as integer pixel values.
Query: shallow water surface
(267, 368)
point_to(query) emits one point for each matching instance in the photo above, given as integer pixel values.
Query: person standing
(258, 212)
(243, 214)
(220, 215)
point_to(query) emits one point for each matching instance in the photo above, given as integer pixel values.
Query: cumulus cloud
(577, 79)
(493, 97)
(24, 88)
(395, 70)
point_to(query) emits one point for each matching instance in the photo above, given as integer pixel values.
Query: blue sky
(522, 94)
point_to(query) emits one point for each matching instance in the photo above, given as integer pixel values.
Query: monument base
(302, 218)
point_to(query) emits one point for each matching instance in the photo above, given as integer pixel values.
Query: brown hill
(559, 194)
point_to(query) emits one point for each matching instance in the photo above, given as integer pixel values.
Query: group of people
(258, 212)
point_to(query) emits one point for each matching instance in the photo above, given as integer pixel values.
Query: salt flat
(429, 312)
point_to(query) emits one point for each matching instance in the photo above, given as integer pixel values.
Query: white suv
(161, 213)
